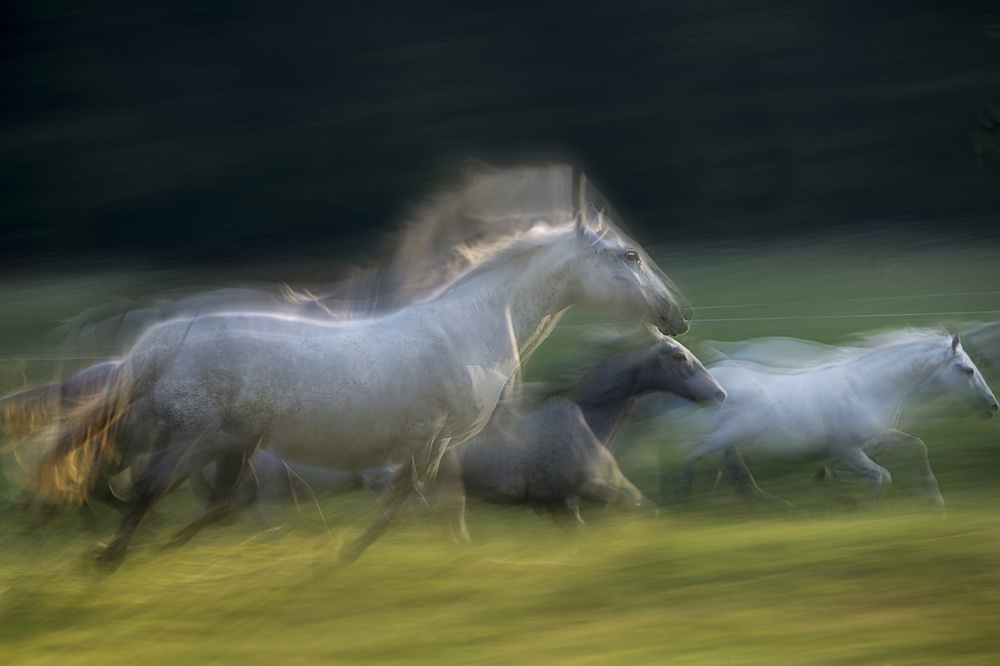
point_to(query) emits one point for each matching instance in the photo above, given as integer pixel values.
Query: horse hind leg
(566, 514)
(628, 497)
(449, 491)
(229, 477)
(150, 486)
(103, 493)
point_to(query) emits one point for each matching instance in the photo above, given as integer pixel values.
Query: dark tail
(87, 441)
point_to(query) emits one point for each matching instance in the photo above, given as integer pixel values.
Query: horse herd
(408, 373)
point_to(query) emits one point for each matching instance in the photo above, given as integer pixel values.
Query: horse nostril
(720, 397)
(993, 408)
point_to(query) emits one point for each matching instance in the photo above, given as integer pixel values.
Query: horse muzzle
(673, 323)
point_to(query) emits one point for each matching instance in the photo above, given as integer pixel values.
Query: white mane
(490, 211)
(888, 338)
(791, 356)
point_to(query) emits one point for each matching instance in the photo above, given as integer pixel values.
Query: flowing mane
(899, 336)
(459, 227)
(882, 340)
(488, 213)
(793, 356)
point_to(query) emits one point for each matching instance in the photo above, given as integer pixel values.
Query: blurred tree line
(196, 130)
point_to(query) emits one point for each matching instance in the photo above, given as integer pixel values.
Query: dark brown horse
(551, 453)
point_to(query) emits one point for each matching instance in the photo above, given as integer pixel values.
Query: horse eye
(632, 256)
(969, 371)
(680, 358)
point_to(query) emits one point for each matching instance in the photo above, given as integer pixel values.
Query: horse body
(802, 416)
(355, 393)
(842, 410)
(547, 458)
(307, 387)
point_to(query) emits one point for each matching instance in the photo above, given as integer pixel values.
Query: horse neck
(902, 369)
(607, 396)
(508, 307)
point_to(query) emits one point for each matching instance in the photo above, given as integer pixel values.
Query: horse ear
(955, 343)
(588, 220)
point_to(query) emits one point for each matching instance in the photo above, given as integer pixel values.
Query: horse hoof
(96, 550)
(109, 557)
(108, 561)
(822, 474)
(462, 539)
(937, 506)
(349, 554)
(274, 532)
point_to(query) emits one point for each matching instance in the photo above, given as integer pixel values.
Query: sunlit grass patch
(700, 588)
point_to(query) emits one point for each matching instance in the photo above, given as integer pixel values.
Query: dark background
(197, 131)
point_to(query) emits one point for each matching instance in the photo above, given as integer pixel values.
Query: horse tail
(27, 411)
(24, 412)
(87, 440)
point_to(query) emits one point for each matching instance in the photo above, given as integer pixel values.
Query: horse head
(671, 367)
(619, 274)
(960, 376)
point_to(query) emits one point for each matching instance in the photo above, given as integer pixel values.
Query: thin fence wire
(97, 353)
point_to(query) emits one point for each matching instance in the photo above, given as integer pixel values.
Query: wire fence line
(103, 353)
(854, 316)
(850, 300)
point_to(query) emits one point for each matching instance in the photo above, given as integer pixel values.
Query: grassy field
(716, 582)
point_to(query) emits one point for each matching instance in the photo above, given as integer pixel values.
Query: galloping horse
(842, 407)
(552, 452)
(353, 393)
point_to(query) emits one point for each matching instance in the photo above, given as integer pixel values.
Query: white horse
(840, 405)
(354, 393)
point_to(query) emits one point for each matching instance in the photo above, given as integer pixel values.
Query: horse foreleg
(930, 488)
(686, 477)
(149, 487)
(566, 513)
(402, 484)
(684, 481)
(449, 487)
(858, 463)
(723, 439)
(599, 490)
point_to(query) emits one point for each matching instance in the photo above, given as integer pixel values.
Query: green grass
(714, 583)
(881, 587)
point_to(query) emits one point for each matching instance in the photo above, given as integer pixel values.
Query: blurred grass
(887, 587)
(716, 582)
